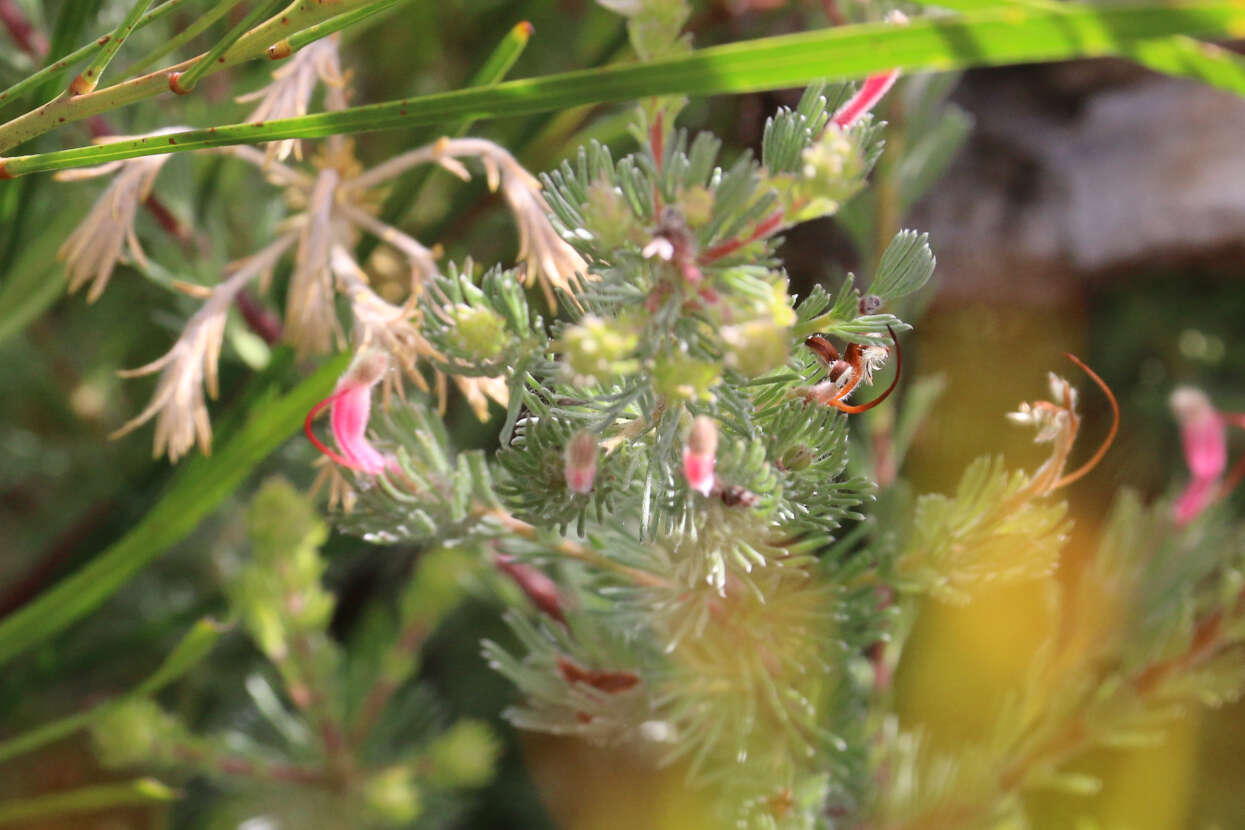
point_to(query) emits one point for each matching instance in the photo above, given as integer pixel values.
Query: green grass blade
(982, 39)
(34, 280)
(46, 734)
(197, 643)
(197, 489)
(71, 27)
(1179, 55)
(136, 793)
(1186, 57)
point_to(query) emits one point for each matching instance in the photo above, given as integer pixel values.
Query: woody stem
(66, 108)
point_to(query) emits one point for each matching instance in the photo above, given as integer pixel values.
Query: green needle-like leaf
(980, 39)
(336, 24)
(1178, 55)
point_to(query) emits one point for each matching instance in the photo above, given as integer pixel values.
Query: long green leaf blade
(58, 67)
(988, 38)
(1181, 56)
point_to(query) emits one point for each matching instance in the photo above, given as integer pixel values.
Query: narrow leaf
(58, 67)
(202, 24)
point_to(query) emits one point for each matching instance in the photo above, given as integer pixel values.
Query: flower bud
(870, 304)
(535, 584)
(478, 332)
(581, 462)
(392, 795)
(700, 454)
(465, 755)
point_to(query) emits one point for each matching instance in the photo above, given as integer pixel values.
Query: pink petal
(351, 406)
(1196, 497)
(870, 93)
(698, 469)
(580, 466)
(1205, 440)
(350, 414)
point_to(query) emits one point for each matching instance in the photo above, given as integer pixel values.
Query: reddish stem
(1115, 425)
(261, 321)
(765, 228)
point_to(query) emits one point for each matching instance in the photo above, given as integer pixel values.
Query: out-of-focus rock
(1086, 170)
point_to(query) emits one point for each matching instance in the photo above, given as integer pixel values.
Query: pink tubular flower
(581, 462)
(700, 454)
(1204, 435)
(351, 404)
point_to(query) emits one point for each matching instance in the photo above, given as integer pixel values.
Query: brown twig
(298, 15)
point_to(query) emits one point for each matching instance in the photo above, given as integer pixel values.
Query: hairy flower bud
(870, 304)
(700, 454)
(581, 462)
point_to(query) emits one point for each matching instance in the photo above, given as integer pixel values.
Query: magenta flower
(1204, 435)
(351, 404)
(700, 454)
